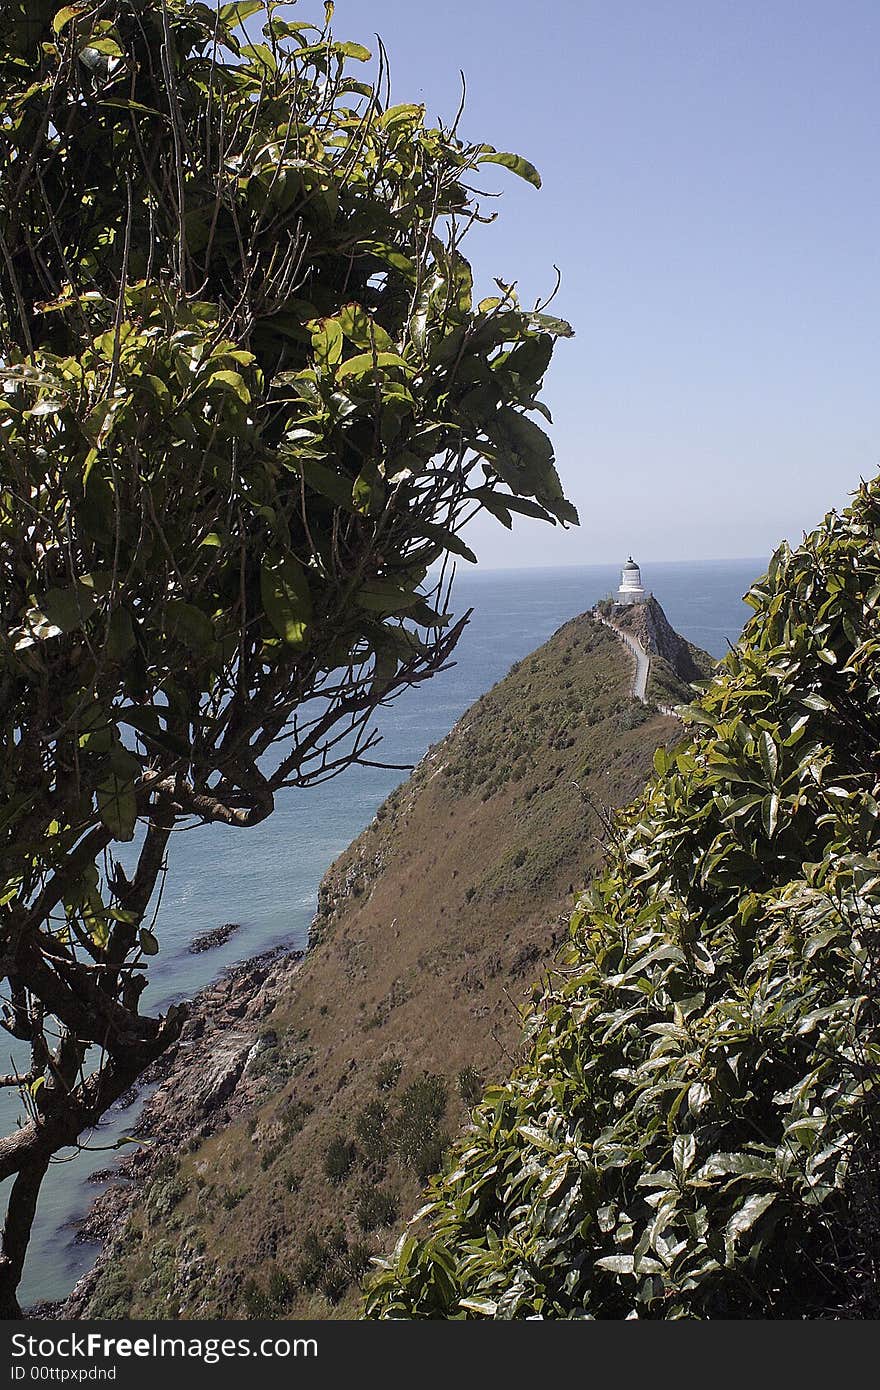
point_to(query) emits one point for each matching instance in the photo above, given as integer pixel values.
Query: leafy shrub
(371, 1129)
(225, 357)
(470, 1085)
(695, 1130)
(328, 1263)
(418, 1137)
(165, 1194)
(294, 1114)
(231, 1196)
(376, 1207)
(388, 1073)
(634, 714)
(338, 1158)
(356, 1260)
(273, 1301)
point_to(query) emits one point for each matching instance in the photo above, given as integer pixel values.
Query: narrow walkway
(643, 664)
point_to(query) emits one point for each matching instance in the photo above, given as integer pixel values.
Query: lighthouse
(631, 590)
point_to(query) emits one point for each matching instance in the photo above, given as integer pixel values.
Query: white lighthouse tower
(631, 590)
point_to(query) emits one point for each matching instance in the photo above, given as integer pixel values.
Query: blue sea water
(267, 878)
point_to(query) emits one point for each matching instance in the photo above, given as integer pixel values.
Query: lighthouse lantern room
(631, 590)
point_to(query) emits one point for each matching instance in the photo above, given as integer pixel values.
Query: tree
(248, 401)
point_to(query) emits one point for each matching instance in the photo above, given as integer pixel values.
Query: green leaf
(189, 624)
(105, 46)
(326, 341)
(548, 323)
(148, 942)
(230, 382)
(684, 1150)
(63, 17)
(260, 54)
(68, 609)
(117, 802)
(365, 362)
(487, 1307)
(617, 1264)
(353, 50)
(362, 329)
(743, 1220)
(385, 596)
(287, 599)
(495, 504)
(120, 635)
(769, 755)
(330, 484)
(515, 162)
(448, 541)
(770, 814)
(235, 14)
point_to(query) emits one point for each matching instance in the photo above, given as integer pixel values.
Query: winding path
(643, 664)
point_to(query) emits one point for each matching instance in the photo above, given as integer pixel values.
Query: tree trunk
(17, 1231)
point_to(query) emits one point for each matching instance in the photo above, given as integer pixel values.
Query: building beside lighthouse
(631, 590)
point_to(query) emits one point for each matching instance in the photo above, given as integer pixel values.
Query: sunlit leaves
(235, 14)
(287, 599)
(514, 162)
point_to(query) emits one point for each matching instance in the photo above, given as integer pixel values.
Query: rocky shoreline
(202, 1082)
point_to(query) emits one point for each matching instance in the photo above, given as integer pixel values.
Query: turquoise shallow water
(267, 878)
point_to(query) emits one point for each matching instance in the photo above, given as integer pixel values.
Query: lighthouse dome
(631, 590)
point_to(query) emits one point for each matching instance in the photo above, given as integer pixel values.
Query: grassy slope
(433, 926)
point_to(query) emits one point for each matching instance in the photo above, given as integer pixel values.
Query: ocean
(267, 878)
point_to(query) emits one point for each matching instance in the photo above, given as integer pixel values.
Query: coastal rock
(217, 936)
(203, 1081)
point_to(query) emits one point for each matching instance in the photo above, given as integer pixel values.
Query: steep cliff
(353, 1070)
(676, 664)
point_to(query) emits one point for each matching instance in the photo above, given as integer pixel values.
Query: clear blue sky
(711, 198)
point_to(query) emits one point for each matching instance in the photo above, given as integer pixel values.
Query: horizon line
(485, 567)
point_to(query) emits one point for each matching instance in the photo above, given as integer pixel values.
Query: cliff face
(676, 664)
(266, 1196)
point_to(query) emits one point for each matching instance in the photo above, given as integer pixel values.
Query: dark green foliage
(633, 714)
(338, 1158)
(418, 1136)
(231, 1196)
(371, 1131)
(376, 1207)
(274, 1300)
(694, 1133)
(470, 1085)
(329, 1263)
(388, 1073)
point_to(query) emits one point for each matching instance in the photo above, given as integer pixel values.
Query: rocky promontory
(308, 1101)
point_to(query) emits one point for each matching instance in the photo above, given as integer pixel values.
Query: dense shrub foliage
(694, 1132)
